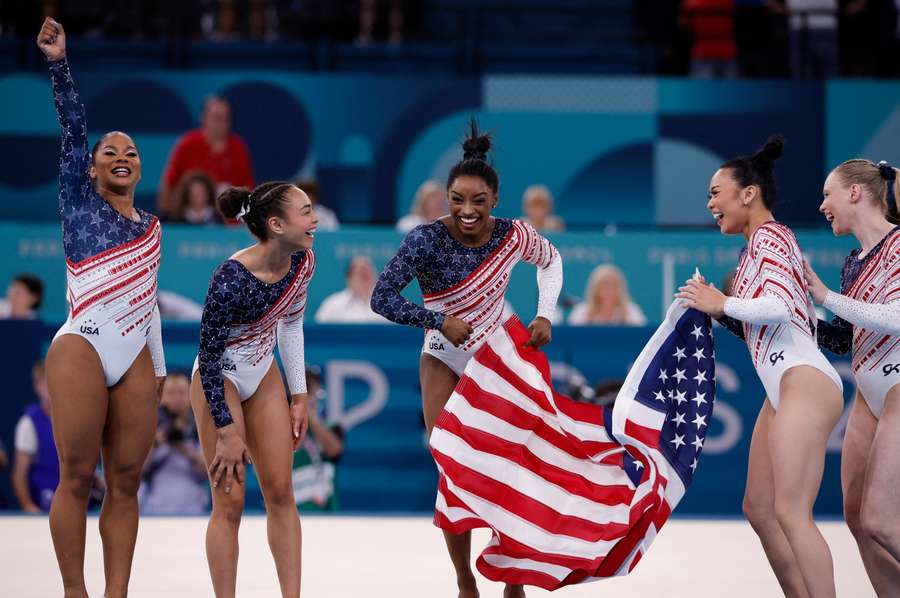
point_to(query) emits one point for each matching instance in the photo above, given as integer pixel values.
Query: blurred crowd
(358, 21)
(701, 38)
(174, 479)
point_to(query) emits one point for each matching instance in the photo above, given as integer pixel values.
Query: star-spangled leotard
(111, 260)
(468, 283)
(242, 318)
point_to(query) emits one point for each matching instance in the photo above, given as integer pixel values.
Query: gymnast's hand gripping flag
(573, 492)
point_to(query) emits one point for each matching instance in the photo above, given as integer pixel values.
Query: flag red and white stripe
(550, 476)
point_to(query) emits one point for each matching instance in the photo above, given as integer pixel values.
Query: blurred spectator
(194, 199)
(23, 298)
(537, 207)
(173, 306)
(429, 204)
(867, 38)
(762, 37)
(713, 52)
(36, 470)
(352, 305)
(402, 17)
(315, 460)
(212, 149)
(328, 220)
(174, 478)
(656, 21)
(813, 38)
(607, 300)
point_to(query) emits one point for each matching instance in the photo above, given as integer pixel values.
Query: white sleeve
(765, 309)
(881, 317)
(290, 345)
(549, 281)
(154, 343)
(26, 436)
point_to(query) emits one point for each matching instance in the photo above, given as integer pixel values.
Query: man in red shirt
(212, 149)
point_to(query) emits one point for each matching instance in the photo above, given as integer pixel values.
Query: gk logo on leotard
(891, 368)
(776, 357)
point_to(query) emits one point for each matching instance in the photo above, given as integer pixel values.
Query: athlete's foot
(511, 591)
(467, 587)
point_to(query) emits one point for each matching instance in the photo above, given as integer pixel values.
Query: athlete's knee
(281, 496)
(123, 481)
(879, 524)
(229, 507)
(791, 512)
(757, 511)
(77, 479)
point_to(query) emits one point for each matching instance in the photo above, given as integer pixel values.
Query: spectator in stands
(23, 298)
(429, 204)
(328, 220)
(813, 38)
(351, 306)
(174, 478)
(867, 38)
(315, 460)
(194, 199)
(607, 301)
(537, 207)
(402, 19)
(762, 37)
(713, 52)
(36, 470)
(213, 149)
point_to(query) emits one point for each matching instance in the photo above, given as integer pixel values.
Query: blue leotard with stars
(430, 254)
(240, 316)
(90, 224)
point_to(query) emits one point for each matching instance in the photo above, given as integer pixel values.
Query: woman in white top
(607, 301)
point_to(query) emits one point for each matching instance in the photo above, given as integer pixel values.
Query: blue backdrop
(633, 151)
(371, 378)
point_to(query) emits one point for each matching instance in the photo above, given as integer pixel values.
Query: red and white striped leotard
(876, 344)
(112, 301)
(478, 299)
(771, 266)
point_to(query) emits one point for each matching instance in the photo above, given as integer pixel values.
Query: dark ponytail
(758, 169)
(475, 163)
(254, 207)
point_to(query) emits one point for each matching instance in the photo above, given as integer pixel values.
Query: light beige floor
(355, 557)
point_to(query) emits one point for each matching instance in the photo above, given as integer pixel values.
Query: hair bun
(771, 151)
(476, 145)
(231, 201)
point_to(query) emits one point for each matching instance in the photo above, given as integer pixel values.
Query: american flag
(573, 492)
